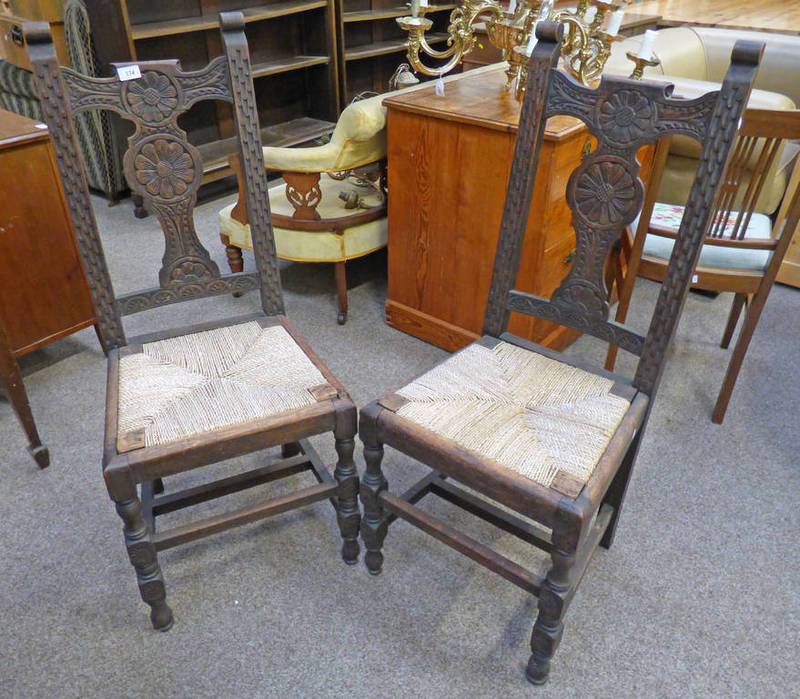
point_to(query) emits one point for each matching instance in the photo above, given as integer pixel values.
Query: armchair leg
(347, 512)
(739, 301)
(751, 317)
(373, 483)
(341, 290)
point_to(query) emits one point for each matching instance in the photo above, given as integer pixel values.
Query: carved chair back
(605, 194)
(163, 167)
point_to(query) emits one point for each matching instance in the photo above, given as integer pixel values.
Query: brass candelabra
(586, 47)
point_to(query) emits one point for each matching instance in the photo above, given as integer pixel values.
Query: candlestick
(512, 7)
(646, 49)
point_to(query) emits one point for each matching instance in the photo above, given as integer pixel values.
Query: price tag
(695, 279)
(130, 72)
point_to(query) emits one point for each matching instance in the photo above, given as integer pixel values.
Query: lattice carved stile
(163, 167)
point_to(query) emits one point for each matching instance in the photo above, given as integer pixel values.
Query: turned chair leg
(235, 260)
(138, 206)
(554, 597)
(373, 483)
(346, 475)
(141, 551)
(341, 290)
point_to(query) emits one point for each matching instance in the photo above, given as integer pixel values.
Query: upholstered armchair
(694, 59)
(330, 205)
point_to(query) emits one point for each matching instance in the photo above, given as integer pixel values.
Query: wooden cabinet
(13, 13)
(372, 45)
(449, 163)
(293, 53)
(44, 294)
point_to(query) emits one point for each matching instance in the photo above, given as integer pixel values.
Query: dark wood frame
(623, 116)
(153, 103)
(761, 135)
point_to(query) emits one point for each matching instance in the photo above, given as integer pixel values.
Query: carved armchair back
(605, 194)
(163, 167)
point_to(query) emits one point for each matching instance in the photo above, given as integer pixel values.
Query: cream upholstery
(358, 139)
(312, 246)
(695, 59)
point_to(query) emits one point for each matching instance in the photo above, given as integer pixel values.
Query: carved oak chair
(321, 213)
(743, 250)
(550, 437)
(186, 398)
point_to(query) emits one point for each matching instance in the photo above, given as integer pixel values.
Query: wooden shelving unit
(371, 45)
(292, 49)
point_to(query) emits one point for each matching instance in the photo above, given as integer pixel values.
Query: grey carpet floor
(698, 596)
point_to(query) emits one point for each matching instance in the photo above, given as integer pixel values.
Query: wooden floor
(765, 15)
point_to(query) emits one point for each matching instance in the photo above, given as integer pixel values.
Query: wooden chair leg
(373, 483)
(138, 206)
(346, 475)
(290, 449)
(11, 382)
(234, 253)
(141, 551)
(549, 626)
(615, 495)
(751, 317)
(739, 301)
(341, 290)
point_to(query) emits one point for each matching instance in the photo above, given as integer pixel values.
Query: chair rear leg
(373, 523)
(615, 495)
(748, 328)
(341, 290)
(141, 551)
(346, 475)
(739, 300)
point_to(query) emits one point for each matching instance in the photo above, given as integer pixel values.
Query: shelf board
(389, 12)
(201, 23)
(283, 65)
(381, 47)
(215, 154)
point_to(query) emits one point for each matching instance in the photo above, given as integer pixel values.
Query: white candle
(588, 18)
(423, 3)
(512, 7)
(646, 49)
(415, 8)
(531, 41)
(615, 22)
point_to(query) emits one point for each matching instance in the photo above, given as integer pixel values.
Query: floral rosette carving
(625, 117)
(165, 168)
(153, 97)
(189, 270)
(606, 195)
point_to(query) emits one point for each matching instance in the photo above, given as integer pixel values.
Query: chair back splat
(163, 167)
(605, 194)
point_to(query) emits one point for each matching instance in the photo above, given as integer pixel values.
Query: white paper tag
(695, 279)
(40, 126)
(130, 72)
(439, 89)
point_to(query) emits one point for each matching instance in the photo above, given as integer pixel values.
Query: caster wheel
(342, 317)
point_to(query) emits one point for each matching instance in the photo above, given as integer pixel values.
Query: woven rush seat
(185, 385)
(539, 417)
